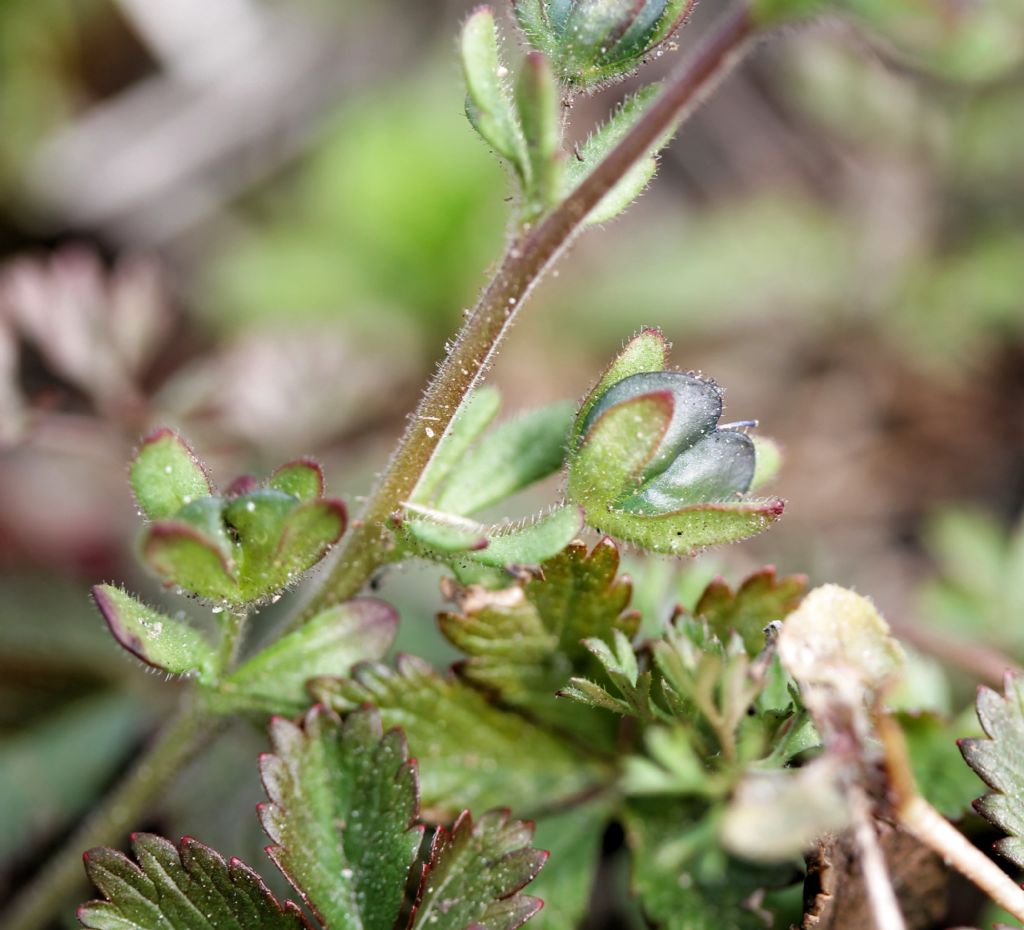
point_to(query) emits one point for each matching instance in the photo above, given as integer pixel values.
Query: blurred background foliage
(258, 221)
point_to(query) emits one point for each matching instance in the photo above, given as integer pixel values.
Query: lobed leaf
(166, 475)
(474, 874)
(760, 599)
(341, 815)
(185, 888)
(274, 680)
(471, 753)
(524, 643)
(999, 762)
(678, 891)
(158, 640)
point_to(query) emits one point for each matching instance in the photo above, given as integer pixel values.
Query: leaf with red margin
(185, 556)
(474, 874)
(999, 762)
(158, 640)
(342, 815)
(166, 475)
(190, 887)
(303, 478)
(525, 643)
(760, 599)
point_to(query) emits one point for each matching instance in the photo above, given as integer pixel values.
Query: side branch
(525, 262)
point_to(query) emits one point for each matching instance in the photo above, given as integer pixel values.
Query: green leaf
(507, 459)
(302, 478)
(342, 816)
(647, 351)
(600, 143)
(573, 838)
(539, 102)
(158, 640)
(438, 534)
(532, 542)
(487, 862)
(184, 556)
(489, 103)
(524, 643)
(471, 753)
(166, 475)
(999, 762)
(473, 417)
(760, 599)
(688, 530)
(274, 680)
(185, 888)
(683, 880)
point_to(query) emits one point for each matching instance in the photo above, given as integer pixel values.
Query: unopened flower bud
(591, 41)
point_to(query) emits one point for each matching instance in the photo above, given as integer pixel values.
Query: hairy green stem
(528, 257)
(182, 736)
(232, 632)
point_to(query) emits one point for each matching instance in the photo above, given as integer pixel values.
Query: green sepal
(303, 478)
(616, 451)
(508, 458)
(539, 102)
(158, 640)
(646, 351)
(767, 461)
(473, 417)
(594, 41)
(274, 680)
(632, 184)
(166, 475)
(489, 104)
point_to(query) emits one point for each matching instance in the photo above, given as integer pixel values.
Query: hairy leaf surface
(999, 762)
(470, 753)
(474, 874)
(342, 816)
(185, 888)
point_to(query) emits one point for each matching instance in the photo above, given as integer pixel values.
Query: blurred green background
(259, 220)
